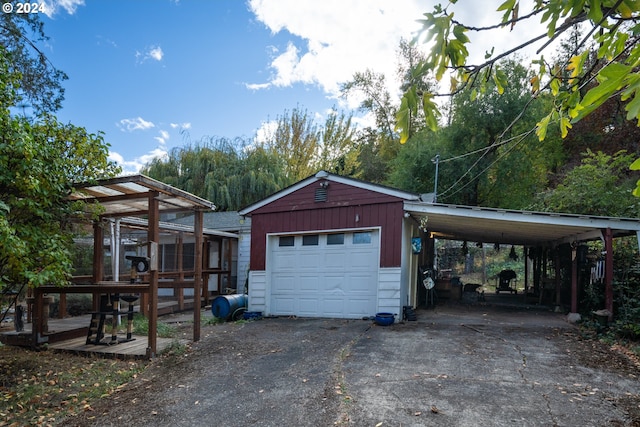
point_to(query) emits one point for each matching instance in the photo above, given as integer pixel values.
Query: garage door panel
(284, 305)
(309, 307)
(333, 307)
(308, 283)
(307, 260)
(360, 259)
(333, 283)
(284, 261)
(360, 306)
(336, 281)
(283, 283)
(335, 259)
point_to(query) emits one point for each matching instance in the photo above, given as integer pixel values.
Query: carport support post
(197, 279)
(574, 280)
(608, 272)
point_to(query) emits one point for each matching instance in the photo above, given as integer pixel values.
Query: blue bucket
(223, 306)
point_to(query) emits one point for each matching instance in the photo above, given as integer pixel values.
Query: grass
(42, 388)
(141, 327)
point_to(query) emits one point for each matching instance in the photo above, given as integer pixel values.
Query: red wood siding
(298, 212)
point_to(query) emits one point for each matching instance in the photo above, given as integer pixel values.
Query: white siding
(389, 295)
(244, 250)
(257, 291)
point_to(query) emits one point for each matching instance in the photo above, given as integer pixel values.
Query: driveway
(455, 366)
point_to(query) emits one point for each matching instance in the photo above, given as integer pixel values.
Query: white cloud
(266, 131)
(131, 125)
(134, 166)
(154, 52)
(70, 6)
(185, 125)
(162, 138)
(332, 39)
(340, 38)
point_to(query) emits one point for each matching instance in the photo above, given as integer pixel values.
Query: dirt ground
(320, 372)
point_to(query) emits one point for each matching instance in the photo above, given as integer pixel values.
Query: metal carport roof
(490, 225)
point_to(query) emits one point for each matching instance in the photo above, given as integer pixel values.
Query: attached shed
(331, 246)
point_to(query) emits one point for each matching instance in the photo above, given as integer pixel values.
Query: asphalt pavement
(455, 366)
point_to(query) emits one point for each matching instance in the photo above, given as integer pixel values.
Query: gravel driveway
(455, 366)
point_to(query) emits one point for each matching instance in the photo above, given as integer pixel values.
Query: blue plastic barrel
(223, 306)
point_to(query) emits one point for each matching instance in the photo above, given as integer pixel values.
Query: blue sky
(153, 75)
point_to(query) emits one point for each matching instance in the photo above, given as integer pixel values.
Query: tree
(231, 173)
(599, 186)
(338, 152)
(475, 169)
(297, 140)
(578, 87)
(40, 159)
(40, 83)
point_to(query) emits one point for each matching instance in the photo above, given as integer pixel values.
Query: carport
(527, 228)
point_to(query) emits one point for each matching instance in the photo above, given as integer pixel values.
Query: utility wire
(451, 191)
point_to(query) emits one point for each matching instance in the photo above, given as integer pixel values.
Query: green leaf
(636, 191)
(507, 6)
(403, 119)
(431, 111)
(611, 79)
(501, 80)
(635, 165)
(565, 125)
(632, 91)
(541, 127)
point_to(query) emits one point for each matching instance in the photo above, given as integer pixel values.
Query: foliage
(578, 87)
(230, 173)
(236, 173)
(304, 147)
(599, 186)
(39, 162)
(40, 390)
(296, 139)
(40, 83)
(487, 150)
(141, 327)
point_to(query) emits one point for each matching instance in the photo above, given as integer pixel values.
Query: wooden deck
(136, 349)
(70, 335)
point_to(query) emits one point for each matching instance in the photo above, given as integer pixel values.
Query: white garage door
(324, 275)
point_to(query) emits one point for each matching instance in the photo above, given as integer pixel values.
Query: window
(286, 241)
(311, 240)
(362, 238)
(335, 239)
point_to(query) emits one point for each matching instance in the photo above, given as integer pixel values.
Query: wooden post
(180, 266)
(205, 266)
(608, 272)
(229, 261)
(197, 278)
(98, 261)
(153, 236)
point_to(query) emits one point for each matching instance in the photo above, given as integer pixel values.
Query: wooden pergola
(133, 196)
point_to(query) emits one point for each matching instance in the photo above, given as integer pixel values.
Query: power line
(452, 190)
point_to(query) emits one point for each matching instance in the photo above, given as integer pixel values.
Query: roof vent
(321, 195)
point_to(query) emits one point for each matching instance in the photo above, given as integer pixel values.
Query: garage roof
(486, 225)
(129, 195)
(489, 225)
